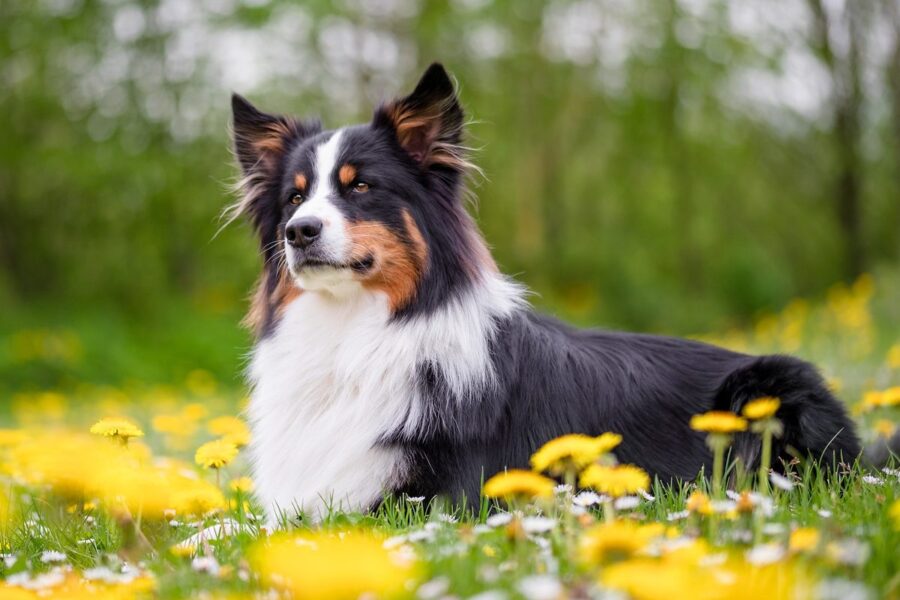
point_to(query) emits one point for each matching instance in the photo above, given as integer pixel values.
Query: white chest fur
(337, 374)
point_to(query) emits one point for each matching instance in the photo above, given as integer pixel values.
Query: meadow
(142, 490)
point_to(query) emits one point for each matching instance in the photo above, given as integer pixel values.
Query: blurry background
(677, 166)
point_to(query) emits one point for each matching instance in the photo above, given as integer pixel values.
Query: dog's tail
(815, 423)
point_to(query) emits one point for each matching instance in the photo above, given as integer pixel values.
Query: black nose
(303, 232)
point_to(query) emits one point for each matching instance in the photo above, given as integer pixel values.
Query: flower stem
(765, 461)
(567, 508)
(609, 511)
(718, 465)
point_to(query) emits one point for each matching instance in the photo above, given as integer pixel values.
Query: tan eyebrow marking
(300, 182)
(347, 174)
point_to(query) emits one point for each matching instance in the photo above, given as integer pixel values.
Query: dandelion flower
(241, 484)
(698, 503)
(572, 452)
(121, 429)
(617, 540)
(516, 483)
(879, 399)
(884, 428)
(11, 437)
(894, 512)
(804, 539)
(231, 429)
(183, 550)
(215, 454)
(649, 579)
(616, 481)
(718, 422)
(194, 411)
(177, 425)
(325, 565)
(893, 356)
(607, 441)
(761, 408)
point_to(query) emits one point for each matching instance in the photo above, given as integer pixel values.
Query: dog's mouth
(361, 266)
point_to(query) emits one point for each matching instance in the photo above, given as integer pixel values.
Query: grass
(823, 537)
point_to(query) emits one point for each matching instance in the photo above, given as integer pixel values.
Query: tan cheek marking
(262, 302)
(347, 174)
(300, 182)
(399, 266)
(285, 292)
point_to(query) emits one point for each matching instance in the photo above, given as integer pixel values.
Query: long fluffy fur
(429, 387)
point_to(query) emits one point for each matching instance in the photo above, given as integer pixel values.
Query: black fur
(556, 380)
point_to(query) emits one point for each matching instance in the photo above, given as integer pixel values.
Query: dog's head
(367, 208)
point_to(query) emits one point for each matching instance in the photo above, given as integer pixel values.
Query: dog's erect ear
(428, 122)
(261, 139)
(260, 142)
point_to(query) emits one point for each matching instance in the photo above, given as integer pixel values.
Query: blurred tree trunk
(847, 99)
(677, 149)
(892, 10)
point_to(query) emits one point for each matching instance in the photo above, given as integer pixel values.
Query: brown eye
(361, 187)
(296, 199)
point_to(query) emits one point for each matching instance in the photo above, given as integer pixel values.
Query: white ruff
(336, 376)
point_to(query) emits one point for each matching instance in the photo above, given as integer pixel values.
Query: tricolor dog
(392, 355)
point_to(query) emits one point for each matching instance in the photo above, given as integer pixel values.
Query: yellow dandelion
(194, 411)
(193, 499)
(183, 550)
(11, 437)
(231, 429)
(647, 579)
(871, 399)
(176, 425)
(325, 565)
(572, 452)
(698, 503)
(616, 481)
(804, 539)
(761, 408)
(607, 441)
(893, 356)
(745, 503)
(891, 396)
(716, 421)
(879, 399)
(201, 383)
(894, 512)
(215, 454)
(516, 484)
(121, 429)
(617, 540)
(884, 428)
(241, 484)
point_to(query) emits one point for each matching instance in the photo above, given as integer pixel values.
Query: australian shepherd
(393, 357)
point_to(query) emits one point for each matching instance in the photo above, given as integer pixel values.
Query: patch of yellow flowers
(327, 564)
(125, 477)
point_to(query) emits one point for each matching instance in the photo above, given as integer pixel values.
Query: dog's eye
(361, 187)
(296, 199)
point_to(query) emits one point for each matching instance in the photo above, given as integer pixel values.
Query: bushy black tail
(816, 424)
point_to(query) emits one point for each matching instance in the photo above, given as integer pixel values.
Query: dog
(393, 357)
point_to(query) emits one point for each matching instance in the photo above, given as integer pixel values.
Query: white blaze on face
(333, 243)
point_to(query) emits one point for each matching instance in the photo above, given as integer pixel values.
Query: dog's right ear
(260, 139)
(260, 143)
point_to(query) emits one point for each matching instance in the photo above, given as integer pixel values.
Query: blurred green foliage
(665, 165)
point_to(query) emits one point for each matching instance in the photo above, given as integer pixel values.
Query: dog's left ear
(428, 123)
(261, 139)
